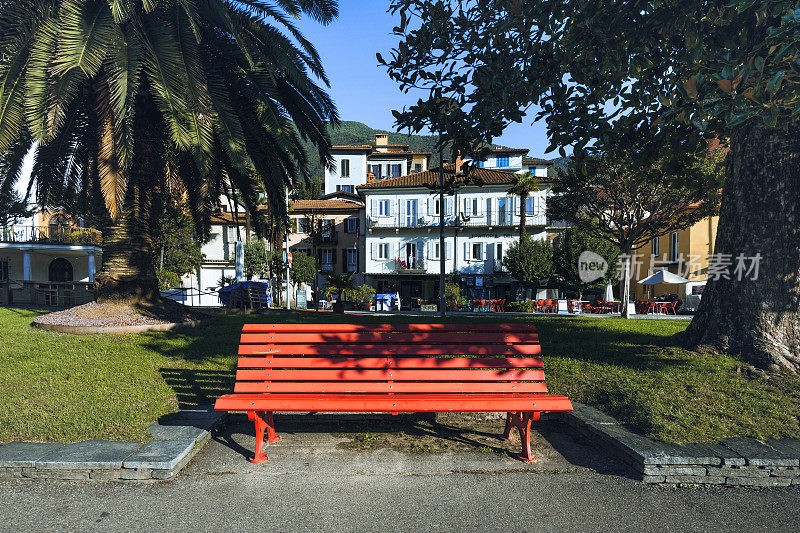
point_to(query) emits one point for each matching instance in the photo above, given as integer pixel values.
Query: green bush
(452, 293)
(363, 294)
(520, 307)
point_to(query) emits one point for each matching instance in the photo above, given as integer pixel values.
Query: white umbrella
(609, 296)
(663, 276)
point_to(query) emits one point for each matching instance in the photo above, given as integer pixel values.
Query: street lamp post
(442, 258)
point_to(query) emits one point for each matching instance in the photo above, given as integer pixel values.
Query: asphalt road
(313, 483)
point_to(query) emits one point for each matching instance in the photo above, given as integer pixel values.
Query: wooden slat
(508, 350)
(386, 362)
(317, 327)
(384, 387)
(393, 374)
(373, 337)
(402, 403)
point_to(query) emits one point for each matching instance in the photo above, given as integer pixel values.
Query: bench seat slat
(382, 386)
(384, 362)
(507, 350)
(401, 403)
(401, 374)
(373, 337)
(316, 327)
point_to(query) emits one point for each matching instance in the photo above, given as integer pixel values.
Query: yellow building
(685, 253)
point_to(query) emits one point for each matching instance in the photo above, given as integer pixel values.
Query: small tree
(340, 284)
(633, 193)
(304, 268)
(529, 260)
(177, 247)
(524, 184)
(255, 259)
(567, 248)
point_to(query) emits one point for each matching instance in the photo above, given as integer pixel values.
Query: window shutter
(358, 225)
(466, 251)
(466, 207)
(480, 256)
(374, 250)
(448, 206)
(448, 250)
(428, 206)
(372, 207)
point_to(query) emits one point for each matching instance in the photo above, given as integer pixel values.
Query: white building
(402, 238)
(48, 259)
(357, 165)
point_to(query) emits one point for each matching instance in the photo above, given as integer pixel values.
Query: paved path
(313, 482)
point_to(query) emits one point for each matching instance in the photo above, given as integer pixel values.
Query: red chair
(670, 308)
(548, 304)
(540, 306)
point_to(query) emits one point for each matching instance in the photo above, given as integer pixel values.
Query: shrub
(525, 306)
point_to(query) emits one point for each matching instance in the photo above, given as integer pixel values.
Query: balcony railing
(480, 219)
(410, 264)
(329, 236)
(51, 235)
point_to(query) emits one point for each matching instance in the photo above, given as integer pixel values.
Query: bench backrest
(389, 358)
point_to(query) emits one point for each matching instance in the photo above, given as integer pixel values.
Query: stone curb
(737, 461)
(176, 439)
(122, 330)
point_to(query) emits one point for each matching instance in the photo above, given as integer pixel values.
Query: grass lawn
(60, 387)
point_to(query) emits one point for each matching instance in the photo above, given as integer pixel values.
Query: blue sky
(363, 91)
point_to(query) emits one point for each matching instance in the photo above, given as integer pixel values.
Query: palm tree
(523, 185)
(123, 100)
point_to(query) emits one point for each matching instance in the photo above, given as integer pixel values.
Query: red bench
(391, 368)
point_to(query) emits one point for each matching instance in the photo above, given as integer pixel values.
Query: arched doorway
(60, 270)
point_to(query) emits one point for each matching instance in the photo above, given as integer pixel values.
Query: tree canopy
(588, 65)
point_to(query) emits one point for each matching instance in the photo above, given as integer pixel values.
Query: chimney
(382, 142)
(459, 162)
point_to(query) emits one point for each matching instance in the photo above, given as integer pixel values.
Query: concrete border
(122, 330)
(736, 461)
(176, 439)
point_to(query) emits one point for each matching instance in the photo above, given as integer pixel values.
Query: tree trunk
(625, 288)
(760, 214)
(522, 217)
(128, 269)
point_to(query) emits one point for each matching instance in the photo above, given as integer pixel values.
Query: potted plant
(342, 286)
(363, 297)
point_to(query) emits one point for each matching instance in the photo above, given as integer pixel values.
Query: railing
(51, 235)
(329, 236)
(480, 219)
(410, 263)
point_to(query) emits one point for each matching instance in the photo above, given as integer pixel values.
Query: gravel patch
(108, 314)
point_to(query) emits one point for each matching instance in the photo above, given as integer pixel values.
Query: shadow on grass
(198, 387)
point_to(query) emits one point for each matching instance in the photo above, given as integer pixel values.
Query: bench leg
(263, 422)
(521, 421)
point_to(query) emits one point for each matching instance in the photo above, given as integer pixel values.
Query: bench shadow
(198, 387)
(413, 426)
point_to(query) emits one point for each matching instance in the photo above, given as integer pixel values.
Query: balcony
(51, 235)
(411, 265)
(480, 219)
(329, 236)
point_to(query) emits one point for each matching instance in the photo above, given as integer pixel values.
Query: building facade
(685, 253)
(332, 229)
(481, 222)
(48, 259)
(356, 165)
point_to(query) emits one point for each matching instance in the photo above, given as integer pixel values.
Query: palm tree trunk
(522, 216)
(128, 268)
